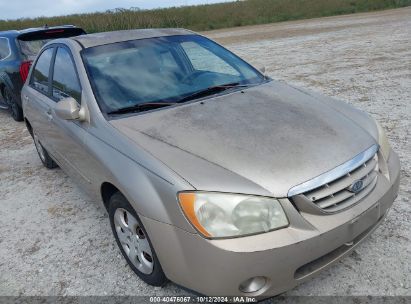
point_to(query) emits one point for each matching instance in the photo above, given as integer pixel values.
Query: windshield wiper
(141, 107)
(155, 105)
(211, 90)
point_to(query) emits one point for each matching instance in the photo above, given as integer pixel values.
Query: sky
(14, 9)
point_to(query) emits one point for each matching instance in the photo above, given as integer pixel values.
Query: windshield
(164, 69)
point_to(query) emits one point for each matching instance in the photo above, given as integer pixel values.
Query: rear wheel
(3, 103)
(45, 158)
(15, 110)
(133, 241)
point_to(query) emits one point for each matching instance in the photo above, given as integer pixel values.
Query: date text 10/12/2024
(202, 299)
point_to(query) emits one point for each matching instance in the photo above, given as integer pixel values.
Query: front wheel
(133, 241)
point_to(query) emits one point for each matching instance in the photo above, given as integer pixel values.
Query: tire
(44, 156)
(15, 110)
(133, 241)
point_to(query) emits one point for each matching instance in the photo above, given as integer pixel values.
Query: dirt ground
(55, 241)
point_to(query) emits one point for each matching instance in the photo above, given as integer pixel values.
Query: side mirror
(68, 109)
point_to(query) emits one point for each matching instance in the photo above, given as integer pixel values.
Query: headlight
(219, 215)
(383, 141)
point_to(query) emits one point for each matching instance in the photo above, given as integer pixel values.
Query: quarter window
(65, 81)
(4, 48)
(40, 76)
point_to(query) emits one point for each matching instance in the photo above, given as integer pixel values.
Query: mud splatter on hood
(272, 135)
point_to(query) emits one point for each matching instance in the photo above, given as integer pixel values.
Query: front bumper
(286, 257)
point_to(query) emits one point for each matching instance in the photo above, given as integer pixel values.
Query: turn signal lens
(187, 201)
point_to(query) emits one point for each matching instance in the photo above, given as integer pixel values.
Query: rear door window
(65, 80)
(40, 76)
(4, 48)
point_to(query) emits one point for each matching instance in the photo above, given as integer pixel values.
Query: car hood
(272, 136)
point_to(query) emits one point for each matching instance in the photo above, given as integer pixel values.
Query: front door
(68, 136)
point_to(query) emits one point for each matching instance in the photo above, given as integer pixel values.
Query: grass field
(212, 16)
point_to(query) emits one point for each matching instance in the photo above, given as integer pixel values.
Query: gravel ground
(56, 241)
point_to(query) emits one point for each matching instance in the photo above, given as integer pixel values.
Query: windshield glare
(163, 69)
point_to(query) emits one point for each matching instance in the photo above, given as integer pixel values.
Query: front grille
(335, 195)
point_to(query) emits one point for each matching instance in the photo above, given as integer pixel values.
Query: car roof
(14, 33)
(97, 39)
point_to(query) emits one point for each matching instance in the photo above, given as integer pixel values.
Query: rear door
(37, 97)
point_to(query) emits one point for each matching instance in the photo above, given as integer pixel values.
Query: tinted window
(40, 77)
(4, 48)
(65, 81)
